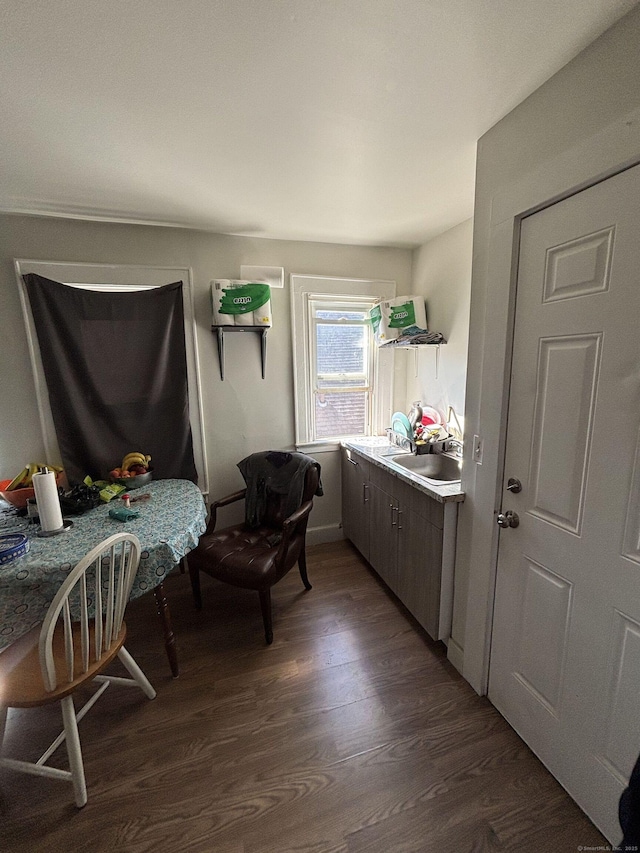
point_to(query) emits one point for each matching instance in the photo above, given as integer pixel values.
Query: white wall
(581, 124)
(243, 413)
(442, 274)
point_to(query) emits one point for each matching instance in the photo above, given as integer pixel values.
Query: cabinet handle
(352, 462)
(365, 486)
(393, 509)
(399, 519)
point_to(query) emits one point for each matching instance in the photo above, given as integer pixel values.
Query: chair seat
(21, 684)
(238, 555)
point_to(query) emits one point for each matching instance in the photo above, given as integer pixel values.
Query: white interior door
(565, 656)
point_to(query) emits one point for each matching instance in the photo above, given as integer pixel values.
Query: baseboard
(455, 653)
(327, 533)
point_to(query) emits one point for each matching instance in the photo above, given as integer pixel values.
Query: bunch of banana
(24, 478)
(133, 459)
(132, 465)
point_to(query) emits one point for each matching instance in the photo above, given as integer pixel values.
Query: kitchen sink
(431, 466)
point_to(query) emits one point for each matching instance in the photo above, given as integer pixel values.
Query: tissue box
(240, 303)
(391, 317)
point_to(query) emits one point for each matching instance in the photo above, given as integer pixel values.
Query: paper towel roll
(46, 491)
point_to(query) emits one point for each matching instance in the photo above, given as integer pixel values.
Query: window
(341, 367)
(342, 382)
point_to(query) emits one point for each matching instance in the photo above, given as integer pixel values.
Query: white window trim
(124, 277)
(301, 287)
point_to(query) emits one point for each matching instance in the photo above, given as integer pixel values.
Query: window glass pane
(341, 414)
(357, 380)
(341, 349)
(334, 314)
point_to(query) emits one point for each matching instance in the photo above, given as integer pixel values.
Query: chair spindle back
(114, 563)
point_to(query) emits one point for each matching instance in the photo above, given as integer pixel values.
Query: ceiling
(345, 121)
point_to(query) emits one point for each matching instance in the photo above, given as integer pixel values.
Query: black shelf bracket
(222, 330)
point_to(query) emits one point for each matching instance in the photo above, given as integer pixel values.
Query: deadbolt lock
(514, 485)
(508, 519)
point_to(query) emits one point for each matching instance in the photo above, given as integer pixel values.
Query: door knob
(508, 519)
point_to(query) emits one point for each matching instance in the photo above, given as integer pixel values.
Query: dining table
(171, 518)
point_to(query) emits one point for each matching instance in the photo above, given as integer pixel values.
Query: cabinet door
(355, 501)
(419, 568)
(383, 535)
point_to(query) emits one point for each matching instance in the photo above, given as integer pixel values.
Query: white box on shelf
(236, 302)
(391, 317)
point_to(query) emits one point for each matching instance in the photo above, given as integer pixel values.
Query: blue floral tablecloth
(168, 527)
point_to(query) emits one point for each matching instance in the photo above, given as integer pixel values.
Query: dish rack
(401, 441)
(406, 443)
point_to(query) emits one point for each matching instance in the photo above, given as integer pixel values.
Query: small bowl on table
(136, 481)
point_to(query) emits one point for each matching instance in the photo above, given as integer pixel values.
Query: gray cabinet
(383, 536)
(419, 569)
(355, 500)
(399, 530)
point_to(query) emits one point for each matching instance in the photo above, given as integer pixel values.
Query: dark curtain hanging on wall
(116, 371)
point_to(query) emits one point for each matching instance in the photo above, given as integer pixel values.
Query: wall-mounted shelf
(407, 344)
(222, 330)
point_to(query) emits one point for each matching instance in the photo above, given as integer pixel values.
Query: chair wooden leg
(136, 673)
(302, 565)
(265, 606)
(194, 574)
(162, 606)
(73, 751)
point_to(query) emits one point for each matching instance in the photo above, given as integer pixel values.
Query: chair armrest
(289, 525)
(229, 499)
(297, 516)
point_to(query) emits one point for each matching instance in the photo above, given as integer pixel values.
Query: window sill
(318, 447)
(331, 445)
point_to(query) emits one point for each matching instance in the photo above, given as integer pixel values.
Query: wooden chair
(53, 660)
(256, 558)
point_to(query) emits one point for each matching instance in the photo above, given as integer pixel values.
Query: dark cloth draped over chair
(274, 472)
(116, 371)
(280, 487)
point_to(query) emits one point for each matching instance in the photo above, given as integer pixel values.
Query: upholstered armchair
(259, 552)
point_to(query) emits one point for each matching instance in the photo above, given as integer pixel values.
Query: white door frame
(610, 151)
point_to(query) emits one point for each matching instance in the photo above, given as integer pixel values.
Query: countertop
(378, 451)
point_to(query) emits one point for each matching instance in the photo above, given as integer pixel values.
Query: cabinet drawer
(411, 498)
(382, 479)
(350, 457)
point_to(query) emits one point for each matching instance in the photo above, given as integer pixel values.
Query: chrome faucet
(455, 447)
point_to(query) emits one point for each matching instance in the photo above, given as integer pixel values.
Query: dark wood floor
(351, 733)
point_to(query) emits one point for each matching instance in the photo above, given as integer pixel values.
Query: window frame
(330, 302)
(303, 290)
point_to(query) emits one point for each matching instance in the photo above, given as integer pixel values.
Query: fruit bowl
(18, 497)
(134, 482)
